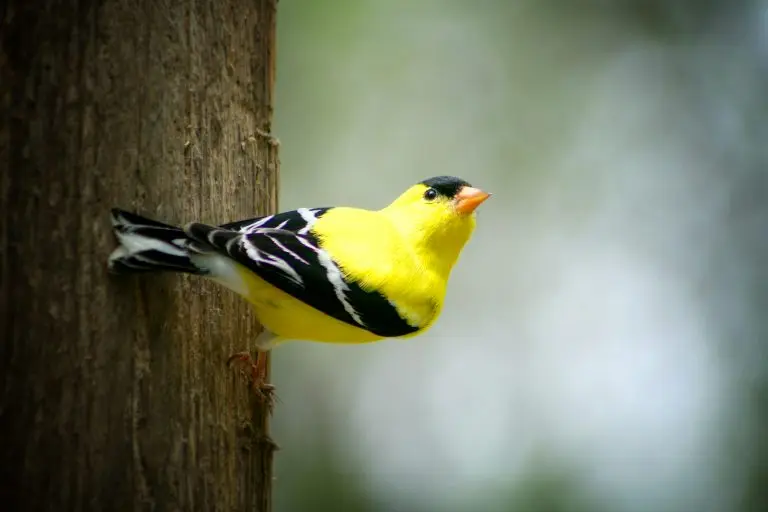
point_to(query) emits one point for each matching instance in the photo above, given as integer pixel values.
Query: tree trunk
(115, 393)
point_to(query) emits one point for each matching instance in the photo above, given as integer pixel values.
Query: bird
(329, 274)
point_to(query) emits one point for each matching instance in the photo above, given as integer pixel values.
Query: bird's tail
(149, 246)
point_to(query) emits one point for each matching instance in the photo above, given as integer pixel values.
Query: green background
(603, 344)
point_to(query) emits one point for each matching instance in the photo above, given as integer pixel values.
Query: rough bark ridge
(114, 392)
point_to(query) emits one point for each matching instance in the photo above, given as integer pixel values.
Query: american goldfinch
(339, 275)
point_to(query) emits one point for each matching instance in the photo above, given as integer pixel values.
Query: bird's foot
(258, 373)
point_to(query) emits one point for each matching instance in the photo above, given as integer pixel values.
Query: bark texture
(115, 395)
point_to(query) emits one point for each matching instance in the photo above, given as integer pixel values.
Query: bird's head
(438, 215)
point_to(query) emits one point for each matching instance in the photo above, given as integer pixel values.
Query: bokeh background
(603, 345)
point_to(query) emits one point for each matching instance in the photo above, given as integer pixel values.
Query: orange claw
(263, 389)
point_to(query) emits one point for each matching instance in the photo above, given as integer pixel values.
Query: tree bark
(115, 394)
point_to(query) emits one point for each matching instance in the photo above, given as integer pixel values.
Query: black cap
(447, 186)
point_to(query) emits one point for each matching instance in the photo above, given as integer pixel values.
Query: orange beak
(469, 198)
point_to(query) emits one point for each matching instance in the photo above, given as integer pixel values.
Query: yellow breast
(381, 260)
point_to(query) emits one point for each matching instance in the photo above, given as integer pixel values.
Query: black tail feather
(147, 245)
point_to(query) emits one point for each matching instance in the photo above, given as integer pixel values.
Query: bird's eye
(430, 194)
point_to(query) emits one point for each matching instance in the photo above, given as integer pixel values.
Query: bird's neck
(439, 254)
(436, 248)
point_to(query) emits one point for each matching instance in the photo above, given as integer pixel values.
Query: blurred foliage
(497, 89)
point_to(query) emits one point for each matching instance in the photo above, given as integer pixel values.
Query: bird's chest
(379, 259)
(418, 297)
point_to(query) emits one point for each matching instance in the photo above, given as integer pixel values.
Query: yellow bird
(337, 275)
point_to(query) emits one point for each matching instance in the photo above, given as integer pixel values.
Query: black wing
(292, 260)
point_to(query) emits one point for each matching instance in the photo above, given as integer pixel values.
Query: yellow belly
(291, 319)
